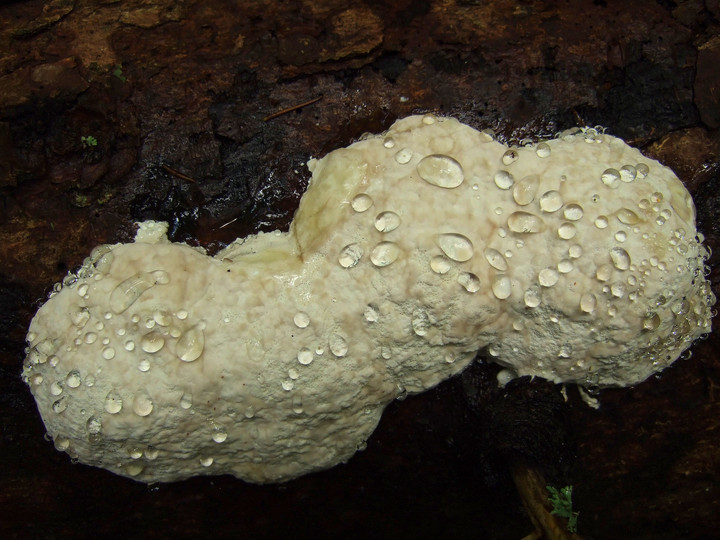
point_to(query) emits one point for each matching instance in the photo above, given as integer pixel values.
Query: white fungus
(276, 357)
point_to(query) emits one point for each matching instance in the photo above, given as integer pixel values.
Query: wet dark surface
(176, 95)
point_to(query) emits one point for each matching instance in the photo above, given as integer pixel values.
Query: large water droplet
(386, 222)
(504, 180)
(620, 258)
(420, 322)
(551, 201)
(588, 302)
(456, 246)
(305, 356)
(350, 255)
(525, 223)
(627, 216)
(510, 156)
(628, 173)
(532, 297)
(404, 156)
(469, 281)
(219, 434)
(548, 277)
(573, 212)
(60, 405)
(113, 402)
(524, 191)
(73, 379)
(442, 171)
(502, 287)
(542, 150)
(152, 342)
(127, 292)
(142, 404)
(496, 259)
(384, 254)
(566, 231)
(565, 266)
(338, 345)
(94, 425)
(108, 353)
(611, 177)
(361, 202)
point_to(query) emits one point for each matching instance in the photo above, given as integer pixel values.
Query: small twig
(291, 109)
(180, 175)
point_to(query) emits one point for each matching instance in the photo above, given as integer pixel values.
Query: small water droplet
(642, 170)
(127, 292)
(532, 297)
(542, 150)
(129, 345)
(573, 212)
(60, 405)
(206, 461)
(191, 344)
(152, 342)
(301, 319)
(566, 231)
(510, 156)
(456, 246)
(604, 272)
(548, 277)
(575, 251)
(350, 255)
(386, 222)
(496, 259)
(80, 317)
(82, 290)
(142, 404)
(504, 180)
(404, 156)
(524, 191)
(108, 353)
(389, 142)
(551, 201)
(628, 173)
(611, 177)
(182, 314)
(144, 365)
(219, 434)
(90, 338)
(420, 322)
(186, 401)
(440, 264)
(651, 321)
(627, 216)
(601, 222)
(338, 345)
(440, 170)
(371, 313)
(620, 258)
(565, 266)
(469, 281)
(384, 254)
(361, 202)
(525, 223)
(621, 236)
(113, 402)
(287, 385)
(94, 425)
(618, 290)
(73, 379)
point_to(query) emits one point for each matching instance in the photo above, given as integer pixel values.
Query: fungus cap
(575, 259)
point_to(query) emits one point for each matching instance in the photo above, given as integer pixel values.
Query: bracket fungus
(575, 259)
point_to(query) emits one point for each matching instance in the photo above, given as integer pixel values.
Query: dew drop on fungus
(525, 223)
(191, 344)
(532, 297)
(440, 264)
(588, 302)
(338, 345)
(384, 254)
(504, 180)
(350, 255)
(152, 342)
(566, 231)
(610, 177)
(127, 292)
(142, 404)
(386, 222)
(542, 150)
(301, 319)
(548, 277)
(601, 222)
(573, 212)
(108, 353)
(524, 191)
(469, 281)
(404, 156)
(113, 402)
(440, 170)
(456, 246)
(73, 379)
(551, 201)
(627, 216)
(420, 322)
(620, 258)
(510, 156)
(305, 356)
(361, 202)
(502, 287)
(496, 259)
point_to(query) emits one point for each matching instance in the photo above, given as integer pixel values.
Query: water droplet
(542, 150)
(151, 453)
(90, 338)
(610, 177)
(404, 156)
(502, 287)
(350, 255)
(186, 401)
(94, 425)
(129, 345)
(108, 353)
(588, 302)
(420, 322)
(142, 404)
(575, 251)
(371, 313)
(618, 290)
(524, 191)
(152, 342)
(442, 171)
(551, 201)
(469, 281)
(182, 314)
(56, 388)
(573, 212)
(206, 461)
(440, 264)
(621, 236)
(297, 405)
(386, 222)
(305, 356)
(219, 435)
(620, 258)
(651, 321)
(127, 292)
(510, 156)
(82, 290)
(566, 231)
(525, 223)
(456, 246)
(496, 259)
(338, 345)
(287, 385)
(62, 443)
(144, 365)
(628, 173)
(361, 202)
(601, 222)
(627, 216)
(548, 277)
(301, 319)
(604, 272)
(389, 142)
(162, 317)
(80, 316)
(384, 254)
(73, 379)
(532, 297)
(565, 266)
(113, 402)
(428, 119)
(191, 344)
(504, 180)
(60, 405)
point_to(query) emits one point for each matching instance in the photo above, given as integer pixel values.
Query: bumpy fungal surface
(574, 259)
